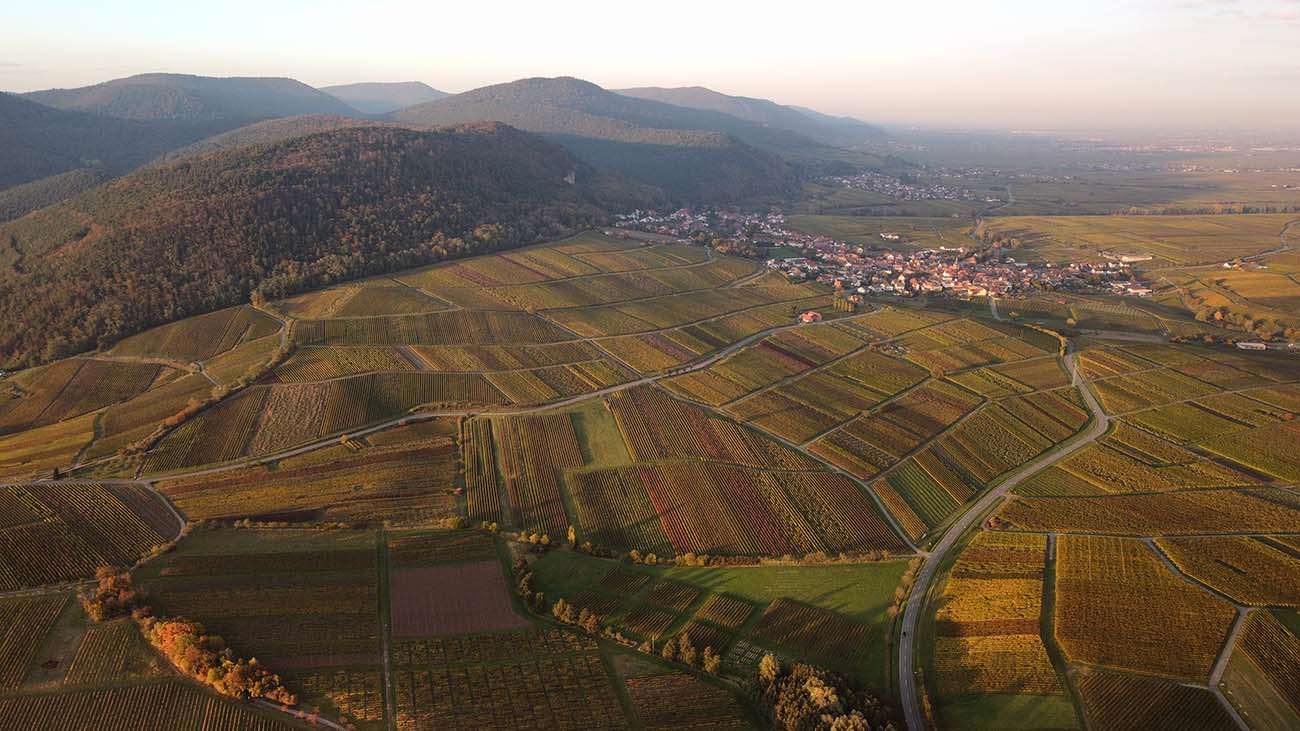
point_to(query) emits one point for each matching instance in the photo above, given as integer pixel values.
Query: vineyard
(551, 692)
(129, 421)
(1156, 514)
(1251, 570)
(742, 497)
(482, 485)
(356, 695)
(1134, 703)
(679, 701)
(262, 420)
(658, 427)
(533, 454)
(601, 289)
(715, 508)
(763, 308)
(136, 708)
(418, 549)
(540, 385)
(406, 479)
(813, 633)
(70, 388)
(199, 338)
(56, 532)
(987, 625)
(295, 599)
(1274, 652)
(673, 595)
(869, 444)
(456, 327)
(725, 611)
(1097, 579)
(111, 651)
(34, 453)
(25, 623)
(461, 598)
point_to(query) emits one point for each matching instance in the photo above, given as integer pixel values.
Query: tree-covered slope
(839, 131)
(697, 149)
(199, 234)
(271, 130)
(37, 141)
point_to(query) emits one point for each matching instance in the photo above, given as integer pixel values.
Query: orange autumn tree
(207, 659)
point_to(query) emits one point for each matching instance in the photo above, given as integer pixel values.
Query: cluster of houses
(906, 190)
(758, 229)
(885, 269)
(949, 272)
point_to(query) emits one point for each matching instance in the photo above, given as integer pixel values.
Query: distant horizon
(1167, 64)
(894, 124)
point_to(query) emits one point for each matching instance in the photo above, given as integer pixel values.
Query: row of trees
(206, 658)
(185, 643)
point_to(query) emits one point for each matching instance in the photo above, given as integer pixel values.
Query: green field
(861, 592)
(1171, 240)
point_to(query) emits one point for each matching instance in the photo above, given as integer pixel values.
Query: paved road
(932, 561)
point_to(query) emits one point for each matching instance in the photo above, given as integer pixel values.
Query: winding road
(933, 560)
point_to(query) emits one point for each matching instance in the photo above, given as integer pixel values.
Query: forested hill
(37, 141)
(839, 131)
(693, 155)
(272, 130)
(203, 233)
(182, 96)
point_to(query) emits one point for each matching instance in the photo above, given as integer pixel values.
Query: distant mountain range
(105, 130)
(202, 233)
(381, 98)
(823, 128)
(38, 141)
(180, 96)
(572, 106)
(686, 152)
(693, 144)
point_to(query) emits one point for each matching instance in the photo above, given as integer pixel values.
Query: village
(905, 189)
(886, 268)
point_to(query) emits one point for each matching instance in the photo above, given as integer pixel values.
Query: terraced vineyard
(390, 484)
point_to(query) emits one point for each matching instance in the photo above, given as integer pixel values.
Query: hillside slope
(269, 131)
(686, 152)
(838, 131)
(37, 141)
(182, 96)
(200, 234)
(381, 98)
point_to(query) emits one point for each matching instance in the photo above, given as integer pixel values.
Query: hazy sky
(1047, 63)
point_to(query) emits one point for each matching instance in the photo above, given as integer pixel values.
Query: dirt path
(916, 600)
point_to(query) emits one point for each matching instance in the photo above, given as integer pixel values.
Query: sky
(1104, 64)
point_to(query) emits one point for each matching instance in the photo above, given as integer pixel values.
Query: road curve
(932, 561)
